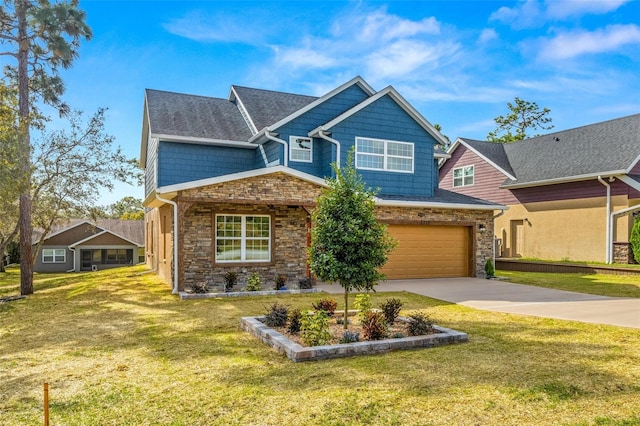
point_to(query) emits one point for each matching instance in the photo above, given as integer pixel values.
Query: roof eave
(566, 179)
(203, 141)
(145, 134)
(238, 176)
(437, 205)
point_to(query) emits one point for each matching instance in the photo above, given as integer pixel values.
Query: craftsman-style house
(231, 183)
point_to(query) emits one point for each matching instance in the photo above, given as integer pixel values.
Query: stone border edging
(298, 353)
(189, 296)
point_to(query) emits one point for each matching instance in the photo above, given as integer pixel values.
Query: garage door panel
(428, 251)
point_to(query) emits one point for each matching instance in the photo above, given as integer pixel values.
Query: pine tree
(42, 37)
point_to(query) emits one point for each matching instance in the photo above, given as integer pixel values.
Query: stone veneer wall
(289, 239)
(283, 197)
(623, 253)
(482, 241)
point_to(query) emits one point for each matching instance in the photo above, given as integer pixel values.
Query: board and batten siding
(487, 179)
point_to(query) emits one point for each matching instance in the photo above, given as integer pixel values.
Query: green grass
(116, 348)
(602, 284)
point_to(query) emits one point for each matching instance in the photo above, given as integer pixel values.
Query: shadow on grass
(74, 319)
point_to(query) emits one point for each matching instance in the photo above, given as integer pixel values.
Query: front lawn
(602, 284)
(117, 348)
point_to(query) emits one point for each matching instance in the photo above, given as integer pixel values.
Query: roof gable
(490, 152)
(106, 238)
(398, 99)
(77, 230)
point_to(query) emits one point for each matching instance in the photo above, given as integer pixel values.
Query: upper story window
(243, 238)
(378, 154)
(463, 176)
(54, 255)
(300, 149)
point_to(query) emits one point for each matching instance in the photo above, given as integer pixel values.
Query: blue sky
(457, 62)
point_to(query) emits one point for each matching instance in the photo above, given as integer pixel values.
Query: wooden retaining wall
(566, 268)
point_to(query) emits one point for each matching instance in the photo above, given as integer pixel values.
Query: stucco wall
(568, 229)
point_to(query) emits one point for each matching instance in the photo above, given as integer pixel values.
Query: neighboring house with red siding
(571, 194)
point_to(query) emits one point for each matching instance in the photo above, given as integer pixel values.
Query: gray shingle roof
(132, 230)
(600, 148)
(267, 107)
(439, 196)
(494, 151)
(177, 114)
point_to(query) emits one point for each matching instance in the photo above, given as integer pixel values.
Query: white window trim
(473, 174)
(386, 155)
(53, 255)
(243, 239)
(292, 148)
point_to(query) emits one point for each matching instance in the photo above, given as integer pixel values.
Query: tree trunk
(346, 306)
(26, 266)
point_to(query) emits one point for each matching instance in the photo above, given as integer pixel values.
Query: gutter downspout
(175, 241)
(269, 136)
(74, 259)
(333, 141)
(611, 218)
(494, 239)
(609, 243)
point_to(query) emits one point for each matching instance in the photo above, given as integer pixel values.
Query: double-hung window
(378, 154)
(243, 238)
(300, 149)
(463, 176)
(54, 255)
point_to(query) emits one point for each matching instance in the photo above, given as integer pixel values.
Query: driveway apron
(501, 296)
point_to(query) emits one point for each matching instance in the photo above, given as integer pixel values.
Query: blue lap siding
(183, 162)
(385, 119)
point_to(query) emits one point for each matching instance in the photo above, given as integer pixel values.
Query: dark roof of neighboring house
(266, 107)
(132, 230)
(494, 151)
(608, 147)
(178, 114)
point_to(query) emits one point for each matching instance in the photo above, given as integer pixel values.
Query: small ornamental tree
(635, 239)
(348, 244)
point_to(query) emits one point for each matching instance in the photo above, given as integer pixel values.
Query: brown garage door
(428, 251)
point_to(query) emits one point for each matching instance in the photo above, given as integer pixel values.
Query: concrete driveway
(501, 296)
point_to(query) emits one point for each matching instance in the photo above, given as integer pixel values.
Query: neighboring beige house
(83, 245)
(571, 194)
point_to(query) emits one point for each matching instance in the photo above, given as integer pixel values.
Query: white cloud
(535, 14)
(302, 57)
(560, 9)
(527, 14)
(379, 26)
(577, 43)
(487, 35)
(201, 27)
(407, 56)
